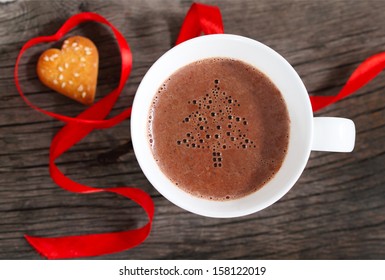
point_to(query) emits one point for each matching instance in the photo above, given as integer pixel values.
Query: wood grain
(335, 211)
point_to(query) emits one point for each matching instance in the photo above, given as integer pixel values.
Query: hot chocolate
(219, 128)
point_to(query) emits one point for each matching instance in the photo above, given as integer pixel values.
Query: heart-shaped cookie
(71, 71)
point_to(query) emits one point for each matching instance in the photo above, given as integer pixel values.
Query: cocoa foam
(218, 128)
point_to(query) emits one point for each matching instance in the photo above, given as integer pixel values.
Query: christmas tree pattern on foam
(209, 132)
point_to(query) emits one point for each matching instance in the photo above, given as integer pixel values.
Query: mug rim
(142, 149)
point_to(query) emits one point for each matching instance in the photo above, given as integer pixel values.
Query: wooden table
(335, 211)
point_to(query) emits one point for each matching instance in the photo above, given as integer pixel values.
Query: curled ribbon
(199, 19)
(75, 130)
(363, 74)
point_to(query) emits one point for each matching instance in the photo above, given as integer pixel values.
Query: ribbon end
(34, 242)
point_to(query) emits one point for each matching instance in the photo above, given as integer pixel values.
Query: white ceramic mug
(306, 132)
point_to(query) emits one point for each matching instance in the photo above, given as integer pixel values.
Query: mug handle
(333, 134)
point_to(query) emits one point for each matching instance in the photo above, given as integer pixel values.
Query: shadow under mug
(306, 132)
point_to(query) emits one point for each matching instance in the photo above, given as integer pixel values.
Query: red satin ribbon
(363, 74)
(75, 130)
(199, 19)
